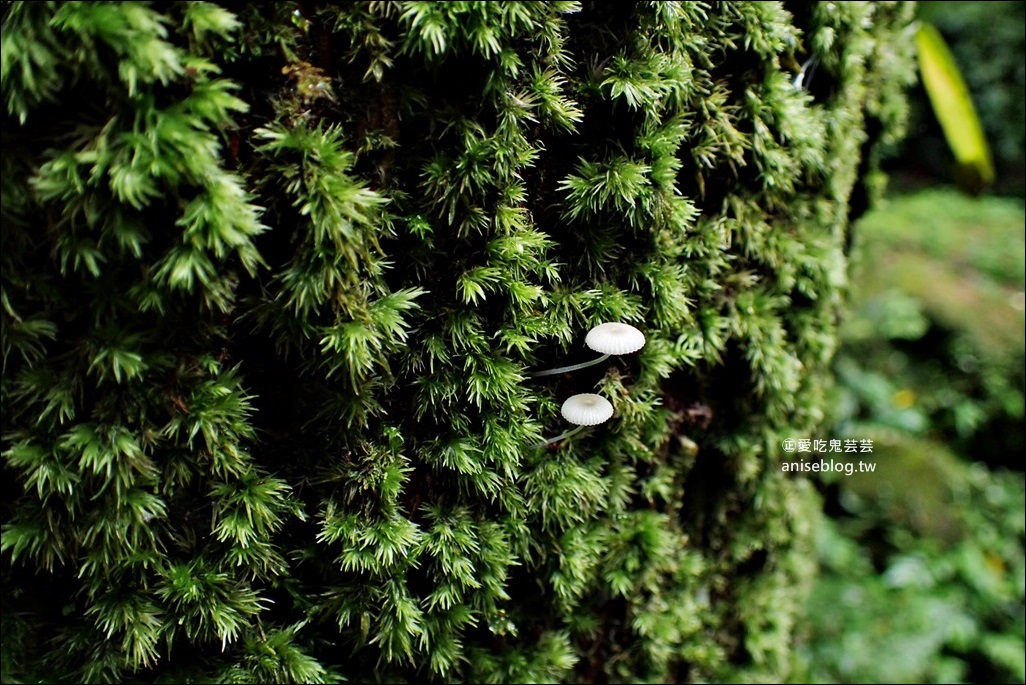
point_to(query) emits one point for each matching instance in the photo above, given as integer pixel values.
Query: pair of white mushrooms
(589, 409)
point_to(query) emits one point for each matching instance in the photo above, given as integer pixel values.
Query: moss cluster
(274, 276)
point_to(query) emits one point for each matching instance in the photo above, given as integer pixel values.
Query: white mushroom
(607, 338)
(615, 338)
(586, 409)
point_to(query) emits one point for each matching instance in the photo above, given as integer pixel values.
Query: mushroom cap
(587, 409)
(615, 338)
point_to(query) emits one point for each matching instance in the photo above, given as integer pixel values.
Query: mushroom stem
(568, 369)
(559, 437)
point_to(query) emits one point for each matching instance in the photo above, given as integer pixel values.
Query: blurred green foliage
(923, 559)
(898, 603)
(935, 342)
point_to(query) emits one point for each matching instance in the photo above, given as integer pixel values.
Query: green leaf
(952, 104)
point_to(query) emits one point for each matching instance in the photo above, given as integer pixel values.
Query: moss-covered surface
(274, 275)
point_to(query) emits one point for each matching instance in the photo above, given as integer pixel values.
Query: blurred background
(923, 560)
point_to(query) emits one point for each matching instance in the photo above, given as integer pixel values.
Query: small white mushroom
(607, 338)
(586, 409)
(615, 338)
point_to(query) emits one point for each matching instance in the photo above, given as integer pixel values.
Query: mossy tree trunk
(274, 278)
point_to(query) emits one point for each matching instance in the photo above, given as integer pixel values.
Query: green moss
(274, 279)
